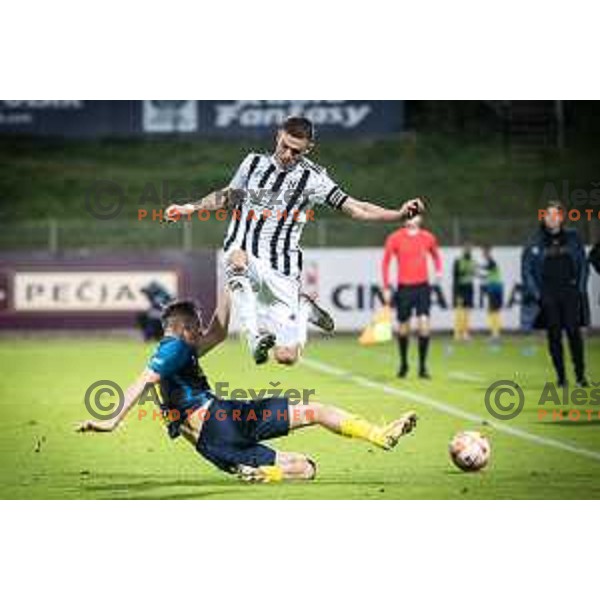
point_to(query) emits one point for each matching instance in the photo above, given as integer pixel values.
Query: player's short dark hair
(185, 311)
(555, 204)
(299, 127)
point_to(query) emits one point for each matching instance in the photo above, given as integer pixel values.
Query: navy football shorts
(232, 431)
(465, 295)
(495, 297)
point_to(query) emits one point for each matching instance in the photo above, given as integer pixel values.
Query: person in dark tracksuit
(594, 257)
(555, 273)
(149, 321)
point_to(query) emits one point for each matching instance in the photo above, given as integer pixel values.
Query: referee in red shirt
(410, 246)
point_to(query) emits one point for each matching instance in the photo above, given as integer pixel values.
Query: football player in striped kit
(273, 196)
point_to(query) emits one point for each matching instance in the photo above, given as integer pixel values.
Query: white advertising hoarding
(87, 290)
(348, 283)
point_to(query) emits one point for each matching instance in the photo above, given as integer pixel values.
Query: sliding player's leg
(228, 433)
(287, 466)
(350, 425)
(244, 304)
(292, 465)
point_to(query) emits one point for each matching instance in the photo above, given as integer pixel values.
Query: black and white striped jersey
(272, 205)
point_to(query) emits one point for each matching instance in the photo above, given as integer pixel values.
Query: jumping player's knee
(238, 260)
(286, 355)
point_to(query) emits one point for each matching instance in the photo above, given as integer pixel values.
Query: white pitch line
(448, 409)
(461, 376)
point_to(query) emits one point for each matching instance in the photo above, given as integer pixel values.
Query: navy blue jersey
(183, 385)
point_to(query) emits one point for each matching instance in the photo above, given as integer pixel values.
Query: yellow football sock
(466, 322)
(495, 323)
(273, 474)
(459, 322)
(358, 428)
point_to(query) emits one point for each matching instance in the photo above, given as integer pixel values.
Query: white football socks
(304, 311)
(244, 304)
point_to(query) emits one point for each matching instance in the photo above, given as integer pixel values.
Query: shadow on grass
(103, 483)
(569, 423)
(139, 486)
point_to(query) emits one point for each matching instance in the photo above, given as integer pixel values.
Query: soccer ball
(470, 451)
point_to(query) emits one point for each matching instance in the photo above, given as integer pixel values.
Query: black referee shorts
(413, 299)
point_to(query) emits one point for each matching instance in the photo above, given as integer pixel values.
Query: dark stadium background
(487, 166)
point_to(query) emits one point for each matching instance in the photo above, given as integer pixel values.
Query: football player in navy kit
(229, 433)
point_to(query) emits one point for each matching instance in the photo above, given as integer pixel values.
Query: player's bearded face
(289, 150)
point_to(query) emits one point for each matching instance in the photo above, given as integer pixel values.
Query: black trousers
(561, 311)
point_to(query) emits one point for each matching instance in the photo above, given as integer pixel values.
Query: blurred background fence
(487, 167)
(57, 236)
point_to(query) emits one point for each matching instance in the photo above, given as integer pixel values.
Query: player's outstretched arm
(436, 256)
(367, 211)
(217, 200)
(148, 377)
(388, 255)
(219, 324)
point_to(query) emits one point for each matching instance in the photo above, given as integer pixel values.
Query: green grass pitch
(43, 381)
